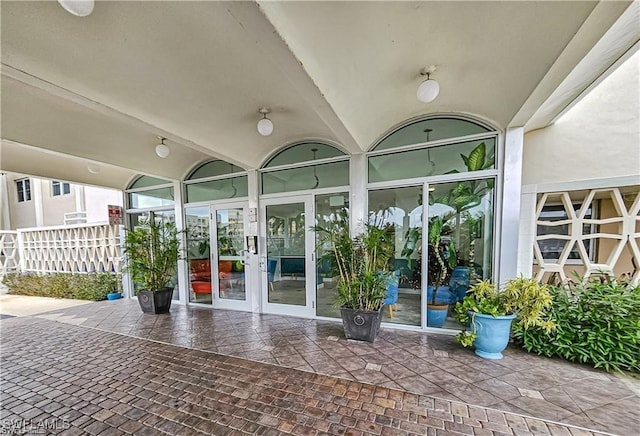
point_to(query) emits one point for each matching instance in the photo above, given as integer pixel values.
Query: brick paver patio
(98, 382)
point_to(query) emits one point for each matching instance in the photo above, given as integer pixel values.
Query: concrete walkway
(23, 305)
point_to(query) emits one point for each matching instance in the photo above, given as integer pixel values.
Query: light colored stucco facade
(593, 149)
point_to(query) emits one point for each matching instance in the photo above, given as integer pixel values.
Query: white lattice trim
(77, 249)
(9, 258)
(625, 236)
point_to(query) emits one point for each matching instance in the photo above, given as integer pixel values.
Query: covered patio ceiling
(103, 88)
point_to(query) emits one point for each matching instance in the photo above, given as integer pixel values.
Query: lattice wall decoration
(77, 249)
(622, 243)
(8, 252)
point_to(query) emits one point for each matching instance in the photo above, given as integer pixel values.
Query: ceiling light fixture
(93, 168)
(428, 89)
(79, 8)
(265, 125)
(162, 150)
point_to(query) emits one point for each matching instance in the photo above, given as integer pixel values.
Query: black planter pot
(155, 302)
(361, 325)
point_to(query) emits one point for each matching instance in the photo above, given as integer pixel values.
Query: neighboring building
(33, 202)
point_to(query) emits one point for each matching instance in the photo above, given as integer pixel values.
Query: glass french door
(230, 256)
(288, 258)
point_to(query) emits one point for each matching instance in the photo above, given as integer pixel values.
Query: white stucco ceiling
(105, 86)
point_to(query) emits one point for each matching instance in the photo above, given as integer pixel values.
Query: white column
(253, 271)
(36, 191)
(183, 266)
(5, 216)
(358, 200)
(511, 189)
(528, 230)
(80, 200)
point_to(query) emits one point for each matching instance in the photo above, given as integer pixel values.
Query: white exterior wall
(96, 201)
(598, 138)
(21, 214)
(596, 144)
(54, 208)
(46, 210)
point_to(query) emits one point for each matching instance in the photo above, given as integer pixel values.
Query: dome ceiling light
(93, 168)
(428, 89)
(162, 150)
(265, 125)
(79, 8)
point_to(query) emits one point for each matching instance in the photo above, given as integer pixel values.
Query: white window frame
(23, 187)
(63, 188)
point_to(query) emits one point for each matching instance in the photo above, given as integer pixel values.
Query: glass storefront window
(217, 189)
(198, 254)
(460, 243)
(310, 177)
(330, 208)
(161, 216)
(286, 253)
(402, 207)
(445, 159)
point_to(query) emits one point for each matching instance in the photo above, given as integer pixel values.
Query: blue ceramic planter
(114, 296)
(492, 334)
(436, 315)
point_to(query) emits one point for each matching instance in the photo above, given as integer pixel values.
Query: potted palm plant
(364, 266)
(488, 313)
(151, 253)
(442, 258)
(437, 310)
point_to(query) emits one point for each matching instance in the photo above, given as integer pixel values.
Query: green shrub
(597, 322)
(94, 286)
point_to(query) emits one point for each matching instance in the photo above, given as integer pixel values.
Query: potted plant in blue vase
(445, 258)
(487, 313)
(151, 254)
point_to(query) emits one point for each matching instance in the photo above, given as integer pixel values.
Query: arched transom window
(215, 180)
(304, 166)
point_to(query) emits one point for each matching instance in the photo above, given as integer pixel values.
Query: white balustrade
(9, 259)
(70, 249)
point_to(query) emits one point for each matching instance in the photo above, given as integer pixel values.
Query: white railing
(70, 249)
(9, 259)
(75, 218)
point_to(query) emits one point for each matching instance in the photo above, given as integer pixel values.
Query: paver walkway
(74, 380)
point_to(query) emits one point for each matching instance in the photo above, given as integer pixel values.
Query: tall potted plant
(151, 253)
(363, 264)
(437, 310)
(442, 258)
(489, 313)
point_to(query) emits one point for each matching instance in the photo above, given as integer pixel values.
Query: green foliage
(151, 253)
(527, 298)
(94, 286)
(363, 262)
(598, 322)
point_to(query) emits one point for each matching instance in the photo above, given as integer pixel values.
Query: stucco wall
(97, 200)
(21, 214)
(54, 208)
(598, 138)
